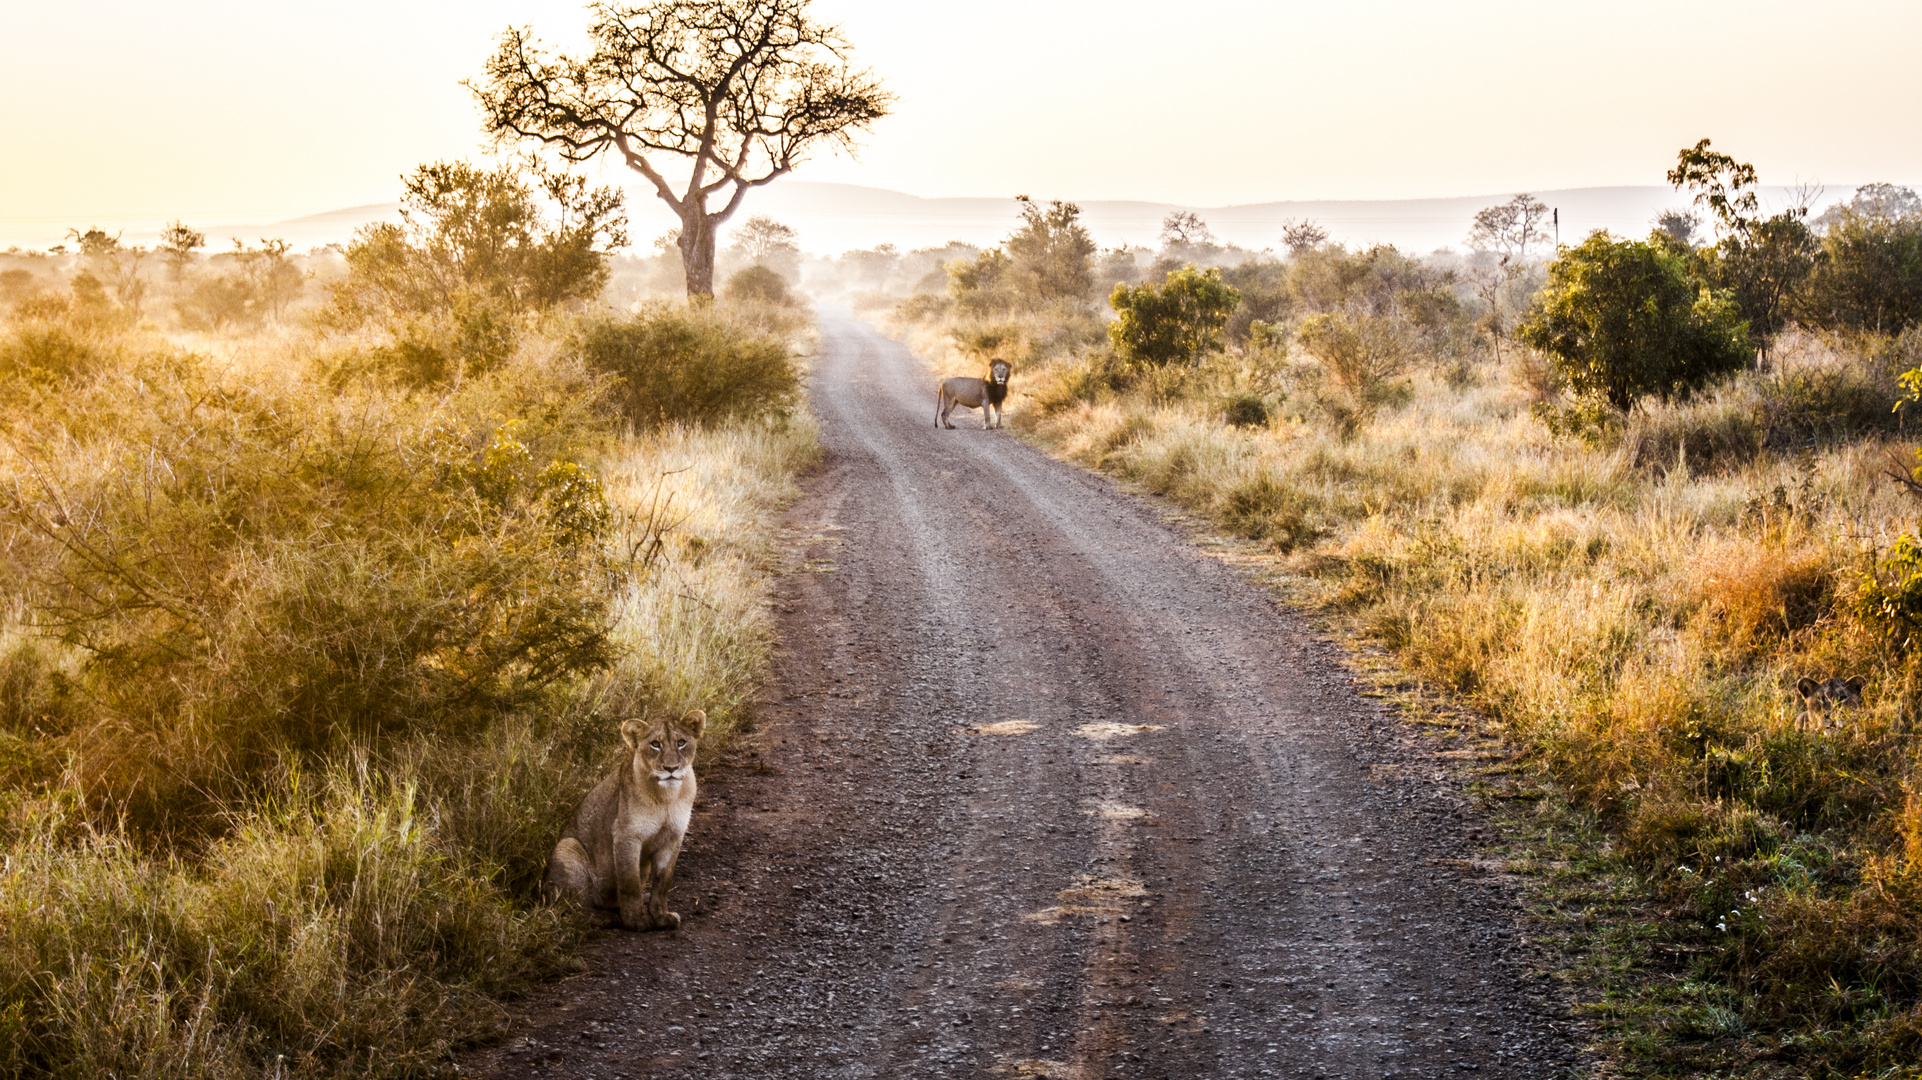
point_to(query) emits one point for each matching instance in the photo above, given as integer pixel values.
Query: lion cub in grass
(1823, 702)
(619, 853)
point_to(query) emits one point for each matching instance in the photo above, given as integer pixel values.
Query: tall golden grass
(300, 673)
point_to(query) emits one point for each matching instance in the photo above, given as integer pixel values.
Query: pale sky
(130, 114)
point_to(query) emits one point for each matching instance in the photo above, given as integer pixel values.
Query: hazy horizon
(831, 218)
(231, 113)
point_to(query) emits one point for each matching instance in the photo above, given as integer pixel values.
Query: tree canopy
(1508, 228)
(1760, 260)
(1174, 323)
(1870, 274)
(516, 241)
(738, 90)
(1623, 319)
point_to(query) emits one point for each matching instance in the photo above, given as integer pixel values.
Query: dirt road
(1050, 794)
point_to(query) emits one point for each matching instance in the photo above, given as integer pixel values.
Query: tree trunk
(697, 250)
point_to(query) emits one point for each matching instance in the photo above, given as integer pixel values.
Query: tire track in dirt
(1047, 793)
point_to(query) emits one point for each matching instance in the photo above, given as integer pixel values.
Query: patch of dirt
(1042, 790)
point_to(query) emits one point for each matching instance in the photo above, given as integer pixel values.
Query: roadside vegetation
(326, 581)
(1635, 501)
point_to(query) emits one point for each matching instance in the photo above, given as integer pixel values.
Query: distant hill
(836, 217)
(832, 218)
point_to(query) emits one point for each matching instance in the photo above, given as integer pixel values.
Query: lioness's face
(998, 371)
(664, 749)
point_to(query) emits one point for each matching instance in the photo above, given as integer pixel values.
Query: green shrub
(1622, 320)
(218, 301)
(756, 284)
(514, 241)
(690, 365)
(47, 353)
(1172, 324)
(1890, 598)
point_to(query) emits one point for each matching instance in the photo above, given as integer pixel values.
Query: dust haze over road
(1051, 793)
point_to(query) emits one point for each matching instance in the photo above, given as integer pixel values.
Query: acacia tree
(1302, 236)
(741, 89)
(1185, 228)
(1504, 231)
(177, 246)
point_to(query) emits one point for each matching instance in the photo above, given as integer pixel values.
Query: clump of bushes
(689, 365)
(757, 285)
(252, 570)
(1173, 323)
(301, 666)
(1624, 319)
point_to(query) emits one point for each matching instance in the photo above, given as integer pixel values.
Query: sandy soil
(1041, 790)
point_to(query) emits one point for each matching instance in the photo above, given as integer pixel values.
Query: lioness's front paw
(668, 921)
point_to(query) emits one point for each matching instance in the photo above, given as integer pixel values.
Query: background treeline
(316, 618)
(1622, 496)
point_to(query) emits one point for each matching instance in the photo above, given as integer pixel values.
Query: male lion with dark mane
(984, 394)
(618, 855)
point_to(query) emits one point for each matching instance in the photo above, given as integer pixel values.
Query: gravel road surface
(1044, 790)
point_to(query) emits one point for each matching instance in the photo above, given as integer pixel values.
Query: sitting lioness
(984, 394)
(619, 853)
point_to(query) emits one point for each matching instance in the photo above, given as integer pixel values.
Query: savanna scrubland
(326, 581)
(1619, 499)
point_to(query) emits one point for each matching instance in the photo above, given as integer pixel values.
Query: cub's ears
(632, 729)
(1806, 686)
(694, 722)
(1856, 683)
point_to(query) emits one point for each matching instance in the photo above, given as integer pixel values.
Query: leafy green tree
(1051, 254)
(1174, 323)
(482, 235)
(1761, 261)
(1870, 276)
(740, 90)
(1623, 319)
